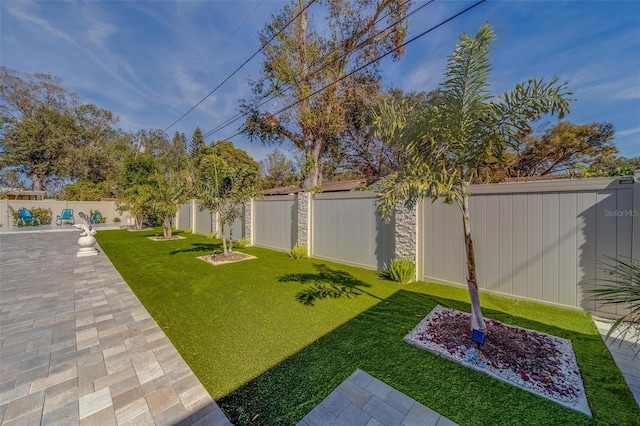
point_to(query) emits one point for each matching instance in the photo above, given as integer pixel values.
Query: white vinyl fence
(541, 241)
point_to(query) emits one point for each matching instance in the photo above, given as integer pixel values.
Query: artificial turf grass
(269, 354)
(233, 322)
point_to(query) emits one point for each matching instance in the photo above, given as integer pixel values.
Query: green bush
(211, 236)
(298, 252)
(400, 270)
(242, 243)
(188, 230)
(45, 215)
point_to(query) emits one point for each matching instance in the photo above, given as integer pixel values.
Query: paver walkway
(364, 400)
(77, 347)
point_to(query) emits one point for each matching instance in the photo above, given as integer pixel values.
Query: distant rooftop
(344, 185)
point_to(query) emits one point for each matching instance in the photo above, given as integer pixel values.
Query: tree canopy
(303, 59)
(449, 143)
(46, 133)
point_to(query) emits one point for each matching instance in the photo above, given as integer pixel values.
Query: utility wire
(375, 60)
(240, 67)
(239, 115)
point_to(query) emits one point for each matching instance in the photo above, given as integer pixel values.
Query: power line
(240, 67)
(375, 59)
(239, 115)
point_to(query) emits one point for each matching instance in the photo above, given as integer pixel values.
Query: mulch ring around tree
(537, 362)
(172, 238)
(220, 259)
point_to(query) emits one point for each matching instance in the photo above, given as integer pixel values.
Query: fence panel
(184, 216)
(276, 222)
(347, 229)
(542, 240)
(204, 222)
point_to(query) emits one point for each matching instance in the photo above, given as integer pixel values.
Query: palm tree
(449, 143)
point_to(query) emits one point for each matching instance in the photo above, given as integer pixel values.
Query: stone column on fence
(406, 233)
(248, 221)
(304, 220)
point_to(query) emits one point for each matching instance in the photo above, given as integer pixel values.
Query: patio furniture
(25, 217)
(66, 216)
(96, 218)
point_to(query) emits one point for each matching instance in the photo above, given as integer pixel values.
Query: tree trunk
(139, 221)
(224, 239)
(167, 227)
(477, 322)
(231, 238)
(314, 175)
(37, 182)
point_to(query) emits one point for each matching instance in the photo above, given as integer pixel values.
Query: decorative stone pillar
(248, 221)
(304, 220)
(406, 233)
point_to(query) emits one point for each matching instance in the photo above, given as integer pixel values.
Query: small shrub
(45, 215)
(116, 220)
(188, 230)
(298, 252)
(211, 236)
(400, 270)
(241, 243)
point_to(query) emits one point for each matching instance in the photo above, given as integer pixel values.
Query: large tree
(277, 170)
(303, 59)
(47, 134)
(449, 143)
(562, 149)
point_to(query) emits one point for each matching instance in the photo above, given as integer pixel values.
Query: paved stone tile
(352, 416)
(383, 412)
(354, 393)
(66, 415)
(419, 415)
(94, 402)
(77, 347)
(378, 405)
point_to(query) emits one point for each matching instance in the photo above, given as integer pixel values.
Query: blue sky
(150, 61)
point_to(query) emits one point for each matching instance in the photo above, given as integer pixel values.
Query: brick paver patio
(77, 347)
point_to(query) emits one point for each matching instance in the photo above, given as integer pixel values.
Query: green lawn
(273, 336)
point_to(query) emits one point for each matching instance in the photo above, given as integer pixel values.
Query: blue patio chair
(66, 216)
(25, 217)
(96, 218)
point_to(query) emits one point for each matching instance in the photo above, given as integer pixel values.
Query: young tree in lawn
(135, 188)
(303, 58)
(450, 142)
(170, 190)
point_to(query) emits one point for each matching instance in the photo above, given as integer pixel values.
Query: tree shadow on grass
(373, 342)
(200, 248)
(327, 283)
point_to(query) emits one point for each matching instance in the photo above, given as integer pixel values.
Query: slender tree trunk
(224, 239)
(477, 321)
(139, 221)
(231, 238)
(167, 227)
(37, 182)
